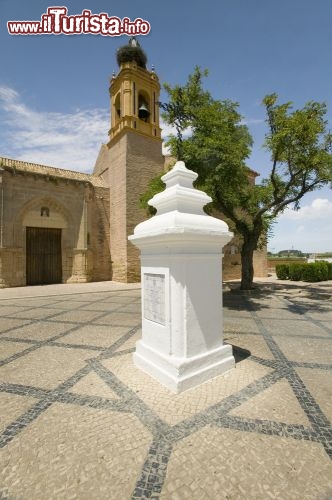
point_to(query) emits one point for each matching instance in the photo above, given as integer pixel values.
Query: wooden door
(43, 256)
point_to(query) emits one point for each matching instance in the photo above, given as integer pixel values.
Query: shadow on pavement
(300, 298)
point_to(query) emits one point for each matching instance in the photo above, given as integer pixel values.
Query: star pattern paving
(71, 395)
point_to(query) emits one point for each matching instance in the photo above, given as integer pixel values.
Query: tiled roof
(34, 168)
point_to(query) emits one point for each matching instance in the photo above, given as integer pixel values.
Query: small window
(44, 212)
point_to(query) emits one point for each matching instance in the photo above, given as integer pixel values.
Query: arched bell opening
(117, 107)
(144, 107)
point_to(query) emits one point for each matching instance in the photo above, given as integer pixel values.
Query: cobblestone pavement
(79, 421)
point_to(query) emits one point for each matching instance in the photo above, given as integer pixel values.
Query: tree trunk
(247, 257)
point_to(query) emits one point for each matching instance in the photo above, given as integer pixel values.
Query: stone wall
(260, 263)
(272, 263)
(232, 256)
(232, 266)
(99, 235)
(232, 262)
(74, 206)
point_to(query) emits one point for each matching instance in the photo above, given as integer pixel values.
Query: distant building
(291, 253)
(61, 226)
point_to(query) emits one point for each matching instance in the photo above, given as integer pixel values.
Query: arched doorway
(43, 256)
(44, 223)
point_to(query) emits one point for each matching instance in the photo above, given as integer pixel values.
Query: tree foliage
(219, 144)
(300, 151)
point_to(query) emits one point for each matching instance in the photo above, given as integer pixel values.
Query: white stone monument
(181, 251)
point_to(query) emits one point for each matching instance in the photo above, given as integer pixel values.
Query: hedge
(282, 271)
(296, 271)
(329, 265)
(313, 271)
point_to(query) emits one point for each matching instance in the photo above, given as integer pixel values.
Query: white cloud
(7, 94)
(68, 140)
(320, 208)
(167, 130)
(165, 150)
(308, 229)
(252, 121)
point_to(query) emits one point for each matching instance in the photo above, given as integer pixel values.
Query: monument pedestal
(181, 253)
(180, 374)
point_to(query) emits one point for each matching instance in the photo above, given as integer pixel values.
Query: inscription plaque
(154, 297)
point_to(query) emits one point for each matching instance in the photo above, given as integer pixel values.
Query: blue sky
(54, 103)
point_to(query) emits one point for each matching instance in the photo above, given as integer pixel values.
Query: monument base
(181, 374)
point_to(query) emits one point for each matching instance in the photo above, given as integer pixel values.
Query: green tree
(219, 143)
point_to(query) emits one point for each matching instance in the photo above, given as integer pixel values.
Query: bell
(143, 112)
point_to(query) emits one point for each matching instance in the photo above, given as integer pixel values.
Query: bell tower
(134, 94)
(134, 153)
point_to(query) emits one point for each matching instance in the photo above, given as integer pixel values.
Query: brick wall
(134, 160)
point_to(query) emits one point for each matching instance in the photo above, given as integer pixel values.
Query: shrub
(329, 269)
(295, 271)
(322, 270)
(329, 265)
(315, 271)
(282, 271)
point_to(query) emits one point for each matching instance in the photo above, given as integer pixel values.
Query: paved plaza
(79, 421)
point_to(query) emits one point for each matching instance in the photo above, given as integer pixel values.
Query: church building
(61, 226)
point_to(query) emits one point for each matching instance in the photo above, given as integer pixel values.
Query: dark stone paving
(310, 305)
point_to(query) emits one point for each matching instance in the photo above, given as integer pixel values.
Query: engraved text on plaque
(154, 297)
